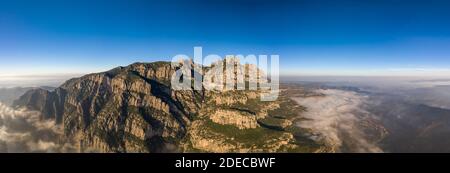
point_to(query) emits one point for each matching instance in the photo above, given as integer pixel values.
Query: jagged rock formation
(134, 109)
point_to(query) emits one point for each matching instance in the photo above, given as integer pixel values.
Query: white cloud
(336, 117)
(24, 131)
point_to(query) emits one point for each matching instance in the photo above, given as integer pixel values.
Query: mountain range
(135, 109)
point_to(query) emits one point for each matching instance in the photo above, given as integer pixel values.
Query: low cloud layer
(338, 119)
(24, 131)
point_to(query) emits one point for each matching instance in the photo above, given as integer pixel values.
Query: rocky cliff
(134, 109)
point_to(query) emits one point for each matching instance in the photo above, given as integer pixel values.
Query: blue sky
(320, 37)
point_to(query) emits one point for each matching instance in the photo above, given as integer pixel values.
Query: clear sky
(336, 37)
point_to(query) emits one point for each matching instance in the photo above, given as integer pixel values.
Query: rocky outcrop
(235, 118)
(50, 104)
